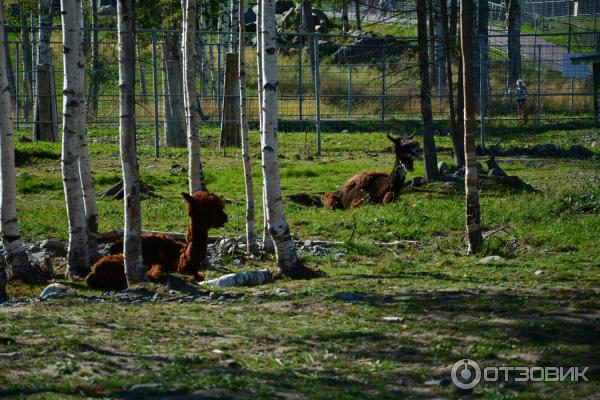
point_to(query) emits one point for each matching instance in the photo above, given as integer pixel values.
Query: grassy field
(386, 321)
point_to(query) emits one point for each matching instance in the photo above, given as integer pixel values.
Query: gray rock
(496, 172)
(54, 248)
(491, 260)
(55, 290)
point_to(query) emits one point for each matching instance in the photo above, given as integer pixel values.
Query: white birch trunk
(473, 218)
(16, 258)
(78, 262)
(135, 271)
(268, 246)
(250, 229)
(285, 250)
(195, 172)
(89, 195)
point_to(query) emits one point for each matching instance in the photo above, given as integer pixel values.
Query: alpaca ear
(187, 197)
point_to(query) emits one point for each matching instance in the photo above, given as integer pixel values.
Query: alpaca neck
(397, 178)
(195, 251)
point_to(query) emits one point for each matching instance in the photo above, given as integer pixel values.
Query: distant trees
(45, 114)
(473, 217)
(135, 270)
(429, 151)
(514, 42)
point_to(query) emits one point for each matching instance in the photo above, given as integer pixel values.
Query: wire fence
(324, 80)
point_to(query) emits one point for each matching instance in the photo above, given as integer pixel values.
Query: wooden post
(230, 124)
(45, 126)
(175, 122)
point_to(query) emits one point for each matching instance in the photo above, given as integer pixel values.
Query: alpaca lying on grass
(376, 187)
(162, 253)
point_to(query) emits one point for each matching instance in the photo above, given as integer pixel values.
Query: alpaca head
(406, 151)
(206, 209)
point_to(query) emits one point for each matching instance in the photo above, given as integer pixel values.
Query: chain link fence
(325, 81)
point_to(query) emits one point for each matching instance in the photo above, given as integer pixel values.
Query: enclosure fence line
(326, 82)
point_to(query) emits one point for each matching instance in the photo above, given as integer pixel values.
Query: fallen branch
(492, 232)
(246, 278)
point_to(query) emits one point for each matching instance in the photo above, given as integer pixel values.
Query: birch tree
(195, 173)
(44, 107)
(16, 257)
(250, 229)
(135, 271)
(268, 246)
(285, 250)
(73, 113)
(94, 45)
(473, 218)
(429, 151)
(514, 42)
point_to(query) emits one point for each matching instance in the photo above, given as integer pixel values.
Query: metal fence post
(349, 89)
(155, 94)
(219, 103)
(539, 72)
(383, 88)
(482, 94)
(317, 91)
(17, 86)
(300, 84)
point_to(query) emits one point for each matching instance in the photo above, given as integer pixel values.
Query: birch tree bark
(27, 63)
(268, 246)
(285, 251)
(78, 261)
(195, 173)
(514, 43)
(135, 271)
(94, 81)
(9, 70)
(250, 229)
(89, 194)
(16, 258)
(473, 228)
(357, 11)
(429, 151)
(44, 107)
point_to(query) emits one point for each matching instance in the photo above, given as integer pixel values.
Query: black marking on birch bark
(6, 89)
(270, 86)
(270, 50)
(66, 50)
(268, 148)
(8, 221)
(10, 238)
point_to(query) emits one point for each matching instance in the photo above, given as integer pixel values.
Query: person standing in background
(521, 93)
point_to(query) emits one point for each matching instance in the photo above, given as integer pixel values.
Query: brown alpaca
(162, 253)
(376, 187)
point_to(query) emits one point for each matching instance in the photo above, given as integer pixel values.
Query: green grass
(538, 307)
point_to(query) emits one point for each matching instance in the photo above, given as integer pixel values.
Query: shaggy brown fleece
(162, 253)
(374, 186)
